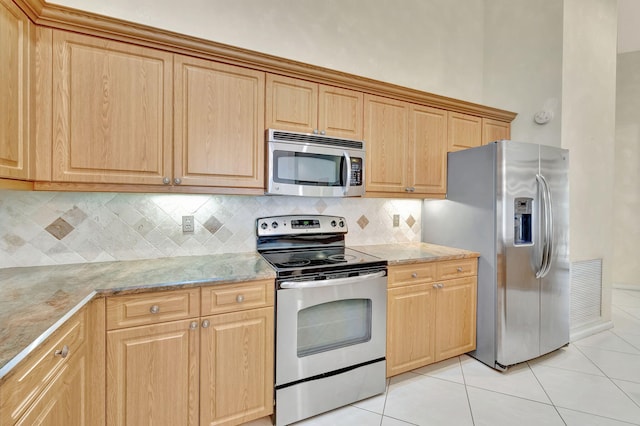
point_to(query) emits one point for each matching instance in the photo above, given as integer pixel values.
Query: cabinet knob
(440, 285)
(166, 180)
(154, 309)
(435, 286)
(315, 131)
(193, 325)
(414, 275)
(177, 181)
(459, 269)
(206, 324)
(323, 132)
(62, 353)
(240, 298)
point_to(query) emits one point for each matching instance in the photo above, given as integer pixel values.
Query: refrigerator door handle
(546, 217)
(542, 240)
(550, 231)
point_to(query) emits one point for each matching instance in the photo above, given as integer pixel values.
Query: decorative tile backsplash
(46, 228)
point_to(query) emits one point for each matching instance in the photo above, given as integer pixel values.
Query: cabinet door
(464, 131)
(456, 318)
(219, 124)
(410, 327)
(386, 132)
(340, 112)
(292, 104)
(427, 153)
(236, 367)
(65, 399)
(16, 41)
(112, 119)
(152, 375)
(494, 130)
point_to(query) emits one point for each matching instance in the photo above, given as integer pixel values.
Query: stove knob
(341, 223)
(274, 225)
(333, 223)
(263, 225)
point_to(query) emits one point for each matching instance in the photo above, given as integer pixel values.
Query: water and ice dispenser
(522, 226)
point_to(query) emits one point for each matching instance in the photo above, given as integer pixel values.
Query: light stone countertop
(35, 301)
(407, 253)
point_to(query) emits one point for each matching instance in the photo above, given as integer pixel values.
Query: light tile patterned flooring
(593, 381)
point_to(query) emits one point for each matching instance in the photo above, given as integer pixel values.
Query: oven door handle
(331, 282)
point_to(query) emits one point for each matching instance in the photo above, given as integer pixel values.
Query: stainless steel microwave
(312, 165)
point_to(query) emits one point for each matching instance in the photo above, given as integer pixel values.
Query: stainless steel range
(330, 315)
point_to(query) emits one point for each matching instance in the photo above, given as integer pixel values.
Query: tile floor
(593, 381)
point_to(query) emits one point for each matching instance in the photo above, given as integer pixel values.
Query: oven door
(324, 326)
(314, 170)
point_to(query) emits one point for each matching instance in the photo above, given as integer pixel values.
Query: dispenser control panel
(522, 222)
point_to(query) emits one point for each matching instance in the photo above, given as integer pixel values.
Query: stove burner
(295, 262)
(341, 257)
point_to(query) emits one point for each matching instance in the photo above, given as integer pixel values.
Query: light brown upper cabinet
(219, 124)
(494, 130)
(112, 111)
(303, 106)
(17, 38)
(464, 131)
(406, 148)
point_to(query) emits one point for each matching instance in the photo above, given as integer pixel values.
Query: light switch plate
(396, 220)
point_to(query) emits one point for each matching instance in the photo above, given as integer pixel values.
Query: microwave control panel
(356, 171)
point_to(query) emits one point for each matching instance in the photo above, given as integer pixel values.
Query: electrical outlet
(396, 220)
(187, 224)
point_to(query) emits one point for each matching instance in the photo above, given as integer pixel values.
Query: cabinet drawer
(152, 308)
(45, 363)
(237, 297)
(411, 274)
(457, 269)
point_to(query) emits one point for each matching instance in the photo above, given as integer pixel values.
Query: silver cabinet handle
(315, 131)
(435, 286)
(177, 181)
(62, 353)
(193, 325)
(459, 269)
(440, 285)
(166, 180)
(414, 275)
(240, 298)
(206, 324)
(323, 132)
(154, 309)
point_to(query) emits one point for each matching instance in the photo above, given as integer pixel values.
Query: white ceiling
(628, 25)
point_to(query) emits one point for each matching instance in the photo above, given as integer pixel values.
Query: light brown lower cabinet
(431, 313)
(62, 381)
(196, 370)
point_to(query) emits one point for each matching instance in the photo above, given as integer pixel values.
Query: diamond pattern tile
(59, 228)
(36, 227)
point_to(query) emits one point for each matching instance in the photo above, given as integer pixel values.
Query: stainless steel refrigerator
(509, 201)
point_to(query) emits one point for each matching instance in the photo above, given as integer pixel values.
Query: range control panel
(300, 224)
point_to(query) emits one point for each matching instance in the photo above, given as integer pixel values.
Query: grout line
(546, 393)
(466, 390)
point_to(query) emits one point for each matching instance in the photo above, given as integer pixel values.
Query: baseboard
(626, 287)
(590, 329)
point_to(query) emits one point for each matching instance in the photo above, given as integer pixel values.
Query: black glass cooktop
(326, 257)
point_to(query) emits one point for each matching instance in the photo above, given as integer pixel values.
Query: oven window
(307, 169)
(333, 325)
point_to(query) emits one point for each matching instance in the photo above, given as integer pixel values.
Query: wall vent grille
(586, 292)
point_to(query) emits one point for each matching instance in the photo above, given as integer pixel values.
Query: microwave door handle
(331, 282)
(347, 182)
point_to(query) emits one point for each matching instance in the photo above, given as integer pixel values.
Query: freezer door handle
(546, 218)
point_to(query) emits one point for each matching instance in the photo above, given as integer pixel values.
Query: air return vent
(586, 290)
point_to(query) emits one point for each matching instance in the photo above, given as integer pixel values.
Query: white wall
(626, 264)
(523, 64)
(588, 129)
